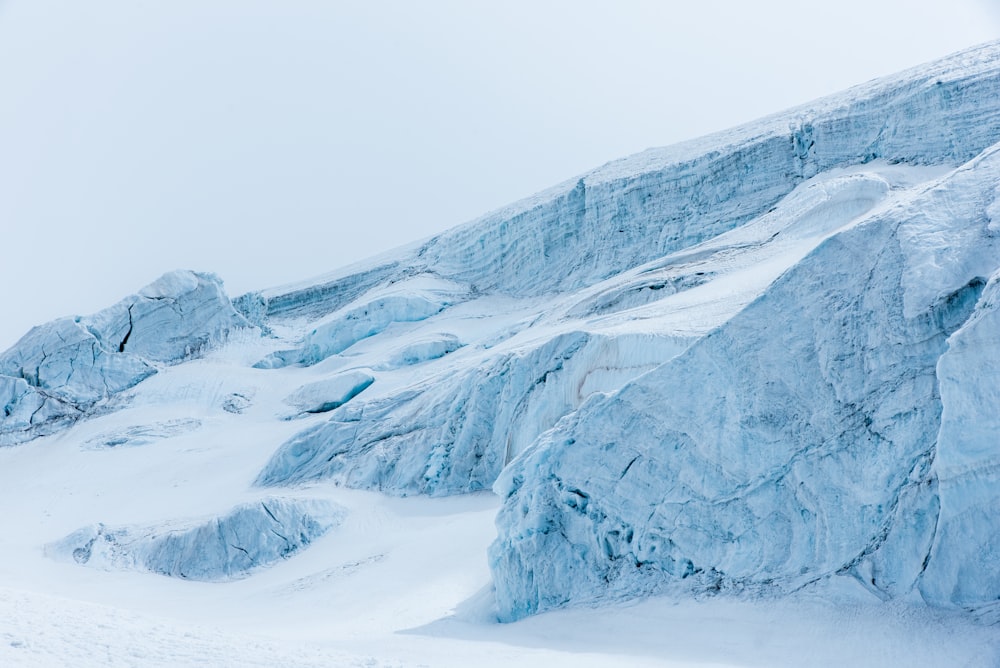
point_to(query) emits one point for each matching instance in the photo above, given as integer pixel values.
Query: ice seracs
(61, 370)
(751, 364)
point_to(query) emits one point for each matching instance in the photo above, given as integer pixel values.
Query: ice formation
(746, 364)
(250, 537)
(61, 370)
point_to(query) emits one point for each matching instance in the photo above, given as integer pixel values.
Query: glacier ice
(746, 364)
(325, 395)
(798, 441)
(59, 371)
(422, 349)
(454, 434)
(250, 537)
(642, 207)
(344, 328)
(142, 434)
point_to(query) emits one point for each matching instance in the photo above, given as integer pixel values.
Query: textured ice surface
(454, 433)
(600, 240)
(60, 370)
(798, 441)
(344, 328)
(645, 206)
(250, 537)
(142, 434)
(421, 350)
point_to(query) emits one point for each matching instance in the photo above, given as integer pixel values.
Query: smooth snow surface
(728, 403)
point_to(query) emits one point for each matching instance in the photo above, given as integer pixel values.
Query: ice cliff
(793, 309)
(802, 439)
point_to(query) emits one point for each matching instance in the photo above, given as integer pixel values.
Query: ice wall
(642, 207)
(797, 442)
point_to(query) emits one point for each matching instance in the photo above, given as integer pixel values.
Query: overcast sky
(272, 141)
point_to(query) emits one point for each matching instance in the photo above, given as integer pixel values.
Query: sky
(273, 141)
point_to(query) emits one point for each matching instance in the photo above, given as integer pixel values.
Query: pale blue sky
(272, 141)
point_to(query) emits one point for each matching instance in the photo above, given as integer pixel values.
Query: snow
(735, 401)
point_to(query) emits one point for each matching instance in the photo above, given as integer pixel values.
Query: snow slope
(754, 374)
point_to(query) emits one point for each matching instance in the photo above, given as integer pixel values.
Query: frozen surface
(737, 401)
(62, 369)
(325, 395)
(251, 537)
(798, 441)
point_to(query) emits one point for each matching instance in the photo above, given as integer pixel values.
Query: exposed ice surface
(325, 395)
(732, 382)
(761, 364)
(800, 440)
(62, 369)
(252, 536)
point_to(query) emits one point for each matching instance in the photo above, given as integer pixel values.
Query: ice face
(357, 322)
(60, 370)
(454, 433)
(798, 441)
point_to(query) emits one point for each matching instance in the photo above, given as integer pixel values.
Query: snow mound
(251, 537)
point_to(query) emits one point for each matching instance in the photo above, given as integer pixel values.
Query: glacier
(750, 365)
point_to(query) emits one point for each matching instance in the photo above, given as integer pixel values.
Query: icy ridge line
(645, 206)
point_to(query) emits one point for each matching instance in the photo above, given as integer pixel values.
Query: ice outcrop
(250, 537)
(142, 434)
(421, 350)
(325, 395)
(60, 370)
(454, 433)
(801, 440)
(359, 321)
